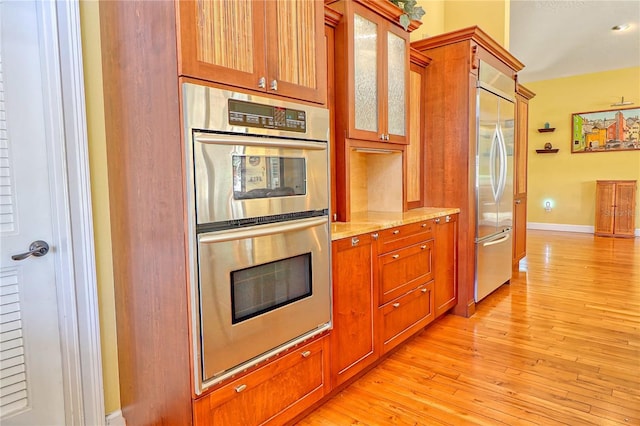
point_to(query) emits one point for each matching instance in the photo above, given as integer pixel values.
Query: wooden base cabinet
(352, 338)
(273, 394)
(615, 208)
(519, 229)
(446, 264)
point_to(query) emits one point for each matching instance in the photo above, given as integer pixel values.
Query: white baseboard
(563, 227)
(115, 419)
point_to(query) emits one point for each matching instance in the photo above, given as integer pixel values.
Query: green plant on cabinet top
(411, 11)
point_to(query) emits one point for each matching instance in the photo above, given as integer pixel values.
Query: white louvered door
(31, 386)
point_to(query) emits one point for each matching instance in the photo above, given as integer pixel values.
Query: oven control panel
(250, 114)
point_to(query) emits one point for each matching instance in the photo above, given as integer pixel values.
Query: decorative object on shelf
(548, 149)
(622, 103)
(606, 130)
(411, 11)
(546, 128)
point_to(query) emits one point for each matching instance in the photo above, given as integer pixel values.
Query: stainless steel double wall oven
(258, 191)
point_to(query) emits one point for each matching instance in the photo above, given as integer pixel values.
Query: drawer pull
(424, 225)
(354, 241)
(396, 232)
(424, 290)
(374, 236)
(447, 219)
(305, 354)
(423, 247)
(240, 388)
(396, 305)
(396, 256)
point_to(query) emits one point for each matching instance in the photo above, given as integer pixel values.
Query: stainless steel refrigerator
(494, 179)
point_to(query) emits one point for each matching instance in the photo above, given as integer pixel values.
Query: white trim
(563, 227)
(63, 89)
(115, 419)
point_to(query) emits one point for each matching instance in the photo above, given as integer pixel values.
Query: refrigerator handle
(495, 146)
(501, 240)
(502, 181)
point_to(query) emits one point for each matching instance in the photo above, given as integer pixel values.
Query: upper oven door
(240, 176)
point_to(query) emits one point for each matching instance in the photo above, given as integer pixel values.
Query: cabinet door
(605, 202)
(521, 145)
(223, 41)
(274, 393)
(414, 176)
(296, 62)
(402, 270)
(625, 203)
(395, 97)
(446, 264)
(352, 337)
(519, 229)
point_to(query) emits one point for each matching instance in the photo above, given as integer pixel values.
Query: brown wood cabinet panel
(352, 338)
(272, 394)
(406, 315)
(519, 229)
(274, 46)
(146, 189)
(402, 236)
(446, 264)
(404, 269)
(414, 153)
(615, 208)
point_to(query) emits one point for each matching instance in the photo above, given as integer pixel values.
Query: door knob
(37, 248)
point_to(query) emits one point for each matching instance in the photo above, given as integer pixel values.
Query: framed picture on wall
(606, 131)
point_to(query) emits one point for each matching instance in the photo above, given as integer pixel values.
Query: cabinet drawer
(401, 270)
(405, 315)
(274, 393)
(405, 235)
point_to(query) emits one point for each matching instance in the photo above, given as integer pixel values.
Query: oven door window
(256, 176)
(266, 287)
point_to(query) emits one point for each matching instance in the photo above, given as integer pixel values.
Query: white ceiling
(560, 38)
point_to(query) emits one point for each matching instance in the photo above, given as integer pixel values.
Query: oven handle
(252, 140)
(261, 230)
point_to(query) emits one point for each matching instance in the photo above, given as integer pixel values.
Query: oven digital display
(250, 114)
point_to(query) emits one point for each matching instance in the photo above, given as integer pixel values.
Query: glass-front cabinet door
(379, 78)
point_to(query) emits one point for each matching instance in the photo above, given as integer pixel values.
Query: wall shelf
(547, 151)
(546, 129)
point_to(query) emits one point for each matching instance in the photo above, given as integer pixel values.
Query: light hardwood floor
(560, 345)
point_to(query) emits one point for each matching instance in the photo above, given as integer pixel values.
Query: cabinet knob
(354, 241)
(396, 256)
(396, 232)
(382, 137)
(262, 83)
(306, 354)
(396, 305)
(374, 235)
(447, 219)
(437, 220)
(386, 137)
(518, 201)
(423, 247)
(240, 388)
(274, 84)
(424, 225)
(424, 290)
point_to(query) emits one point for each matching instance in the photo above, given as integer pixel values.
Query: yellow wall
(443, 16)
(100, 199)
(569, 179)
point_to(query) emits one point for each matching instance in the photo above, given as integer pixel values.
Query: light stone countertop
(363, 222)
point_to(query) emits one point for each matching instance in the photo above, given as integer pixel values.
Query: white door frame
(66, 126)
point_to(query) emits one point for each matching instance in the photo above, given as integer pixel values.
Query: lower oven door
(261, 289)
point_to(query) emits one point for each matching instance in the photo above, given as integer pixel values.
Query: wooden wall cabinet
(521, 144)
(450, 135)
(273, 46)
(615, 208)
(372, 52)
(446, 264)
(414, 169)
(353, 346)
(275, 393)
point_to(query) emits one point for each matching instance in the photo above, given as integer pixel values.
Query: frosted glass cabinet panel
(396, 84)
(365, 62)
